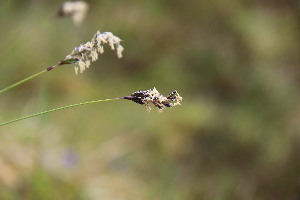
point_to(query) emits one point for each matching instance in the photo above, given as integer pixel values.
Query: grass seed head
(152, 96)
(89, 52)
(77, 10)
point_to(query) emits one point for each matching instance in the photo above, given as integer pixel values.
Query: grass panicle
(77, 10)
(152, 96)
(83, 55)
(147, 97)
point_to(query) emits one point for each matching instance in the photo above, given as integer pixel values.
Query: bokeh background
(235, 136)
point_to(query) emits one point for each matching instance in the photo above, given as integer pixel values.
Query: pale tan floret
(77, 10)
(89, 52)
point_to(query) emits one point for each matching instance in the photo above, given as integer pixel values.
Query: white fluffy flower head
(89, 52)
(77, 10)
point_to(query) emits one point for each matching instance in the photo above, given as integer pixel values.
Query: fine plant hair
(82, 56)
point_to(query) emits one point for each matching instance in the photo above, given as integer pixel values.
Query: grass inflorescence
(82, 56)
(147, 97)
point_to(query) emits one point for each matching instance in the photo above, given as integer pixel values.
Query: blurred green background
(235, 136)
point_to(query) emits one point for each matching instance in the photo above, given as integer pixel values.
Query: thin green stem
(56, 109)
(22, 81)
(31, 77)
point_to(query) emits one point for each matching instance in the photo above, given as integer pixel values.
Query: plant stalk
(56, 109)
(31, 77)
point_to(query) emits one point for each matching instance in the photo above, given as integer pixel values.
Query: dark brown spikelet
(153, 96)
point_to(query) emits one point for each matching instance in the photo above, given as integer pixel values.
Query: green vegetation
(236, 135)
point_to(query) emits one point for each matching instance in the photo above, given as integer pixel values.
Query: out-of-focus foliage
(236, 135)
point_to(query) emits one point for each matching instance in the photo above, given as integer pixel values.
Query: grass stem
(22, 81)
(31, 77)
(56, 109)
